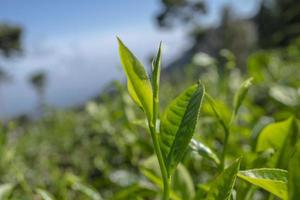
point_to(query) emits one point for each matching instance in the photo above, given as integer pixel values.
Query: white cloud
(78, 66)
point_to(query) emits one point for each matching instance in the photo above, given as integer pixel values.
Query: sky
(74, 42)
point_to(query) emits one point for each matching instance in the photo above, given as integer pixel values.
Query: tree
(187, 11)
(10, 39)
(38, 81)
(278, 22)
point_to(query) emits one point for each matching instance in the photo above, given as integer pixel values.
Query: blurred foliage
(10, 39)
(278, 22)
(185, 11)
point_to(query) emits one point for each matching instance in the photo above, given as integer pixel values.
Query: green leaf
(204, 151)
(286, 95)
(138, 83)
(294, 175)
(222, 187)
(272, 180)
(273, 135)
(83, 188)
(219, 110)
(135, 192)
(87, 190)
(158, 182)
(6, 190)
(182, 183)
(241, 94)
(156, 67)
(44, 194)
(178, 124)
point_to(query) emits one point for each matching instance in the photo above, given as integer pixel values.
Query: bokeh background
(74, 44)
(65, 113)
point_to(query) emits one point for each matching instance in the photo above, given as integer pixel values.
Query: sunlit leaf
(222, 186)
(139, 85)
(273, 135)
(44, 194)
(83, 188)
(6, 190)
(284, 94)
(204, 151)
(241, 94)
(272, 180)
(182, 183)
(87, 190)
(178, 124)
(134, 192)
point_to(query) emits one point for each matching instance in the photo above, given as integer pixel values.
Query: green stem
(224, 152)
(163, 169)
(152, 125)
(227, 134)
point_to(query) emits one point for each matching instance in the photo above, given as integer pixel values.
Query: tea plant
(172, 134)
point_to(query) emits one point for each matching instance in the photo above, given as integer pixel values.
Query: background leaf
(273, 135)
(272, 180)
(150, 169)
(182, 183)
(44, 194)
(241, 94)
(5, 190)
(204, 151)
(222, 186)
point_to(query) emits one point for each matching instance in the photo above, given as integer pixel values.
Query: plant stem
(227, 134)
(224, 152)
(163, 169)
(152, 124)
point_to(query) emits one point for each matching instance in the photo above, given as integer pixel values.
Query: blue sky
(74, 42)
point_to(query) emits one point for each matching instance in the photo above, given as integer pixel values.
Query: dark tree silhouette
(278, 22)
(10, 39)
(38, 81)
(186, 11)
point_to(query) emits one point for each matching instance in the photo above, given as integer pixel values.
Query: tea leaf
(183, 184)
(222, 186)
(273, 135)
(6, 189)
(204, 151)
(139, 85)
(158, 182)
(44, 194)
(272, 180)
(87, 190)
(241, 94)
(156, 67)
(77, 185)
(150, 168)
(178, 124)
